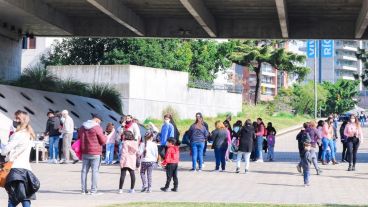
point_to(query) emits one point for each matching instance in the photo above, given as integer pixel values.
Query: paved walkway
(276, 182)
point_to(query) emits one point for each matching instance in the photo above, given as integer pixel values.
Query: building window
(29, 43)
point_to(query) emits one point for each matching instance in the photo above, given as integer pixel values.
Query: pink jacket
(77, 149)
(327, 131)
(129, 154)
(351, 130)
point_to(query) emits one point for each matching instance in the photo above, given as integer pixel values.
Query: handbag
(138, 161)
(4, 172)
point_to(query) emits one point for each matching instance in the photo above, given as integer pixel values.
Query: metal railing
(210, 86)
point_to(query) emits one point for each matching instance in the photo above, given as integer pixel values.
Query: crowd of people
(323, 136)
(230, 143)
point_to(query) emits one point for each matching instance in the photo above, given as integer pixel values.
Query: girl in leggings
(128, 160)
(354, 134)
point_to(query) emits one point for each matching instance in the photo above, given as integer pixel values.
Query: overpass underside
(276, 19)
(294, 19)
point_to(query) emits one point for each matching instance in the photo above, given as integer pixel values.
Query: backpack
(305, 137)
(186, 138)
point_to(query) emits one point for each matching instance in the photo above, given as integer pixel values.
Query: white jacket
(18, 149)
(68, 125)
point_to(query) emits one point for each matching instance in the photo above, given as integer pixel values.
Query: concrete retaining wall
(146, 92)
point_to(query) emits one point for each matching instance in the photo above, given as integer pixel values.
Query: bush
(107, 94)
(170, 110)
(38, 78)
(74, 87)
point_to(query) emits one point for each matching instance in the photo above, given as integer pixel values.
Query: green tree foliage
(303, 98)
(253, 53)
(362, 55)
(340, 96)
(201, 58)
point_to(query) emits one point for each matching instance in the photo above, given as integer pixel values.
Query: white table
(37, 145)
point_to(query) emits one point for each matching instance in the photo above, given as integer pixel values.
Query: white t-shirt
(151, 152)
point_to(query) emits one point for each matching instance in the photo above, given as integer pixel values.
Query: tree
(362, 55)
(202, 59)
(253, 53)
(340, 96)
(303, 98)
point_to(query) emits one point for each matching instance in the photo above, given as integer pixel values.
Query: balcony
(346, 57)
(268, 85)
(347, 47)
(345, 67)
(345, 77)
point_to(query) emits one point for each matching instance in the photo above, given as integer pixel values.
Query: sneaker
(237, 170)
(55, 161)
(164, 189)
(259, 161)
(62, 162)
(84, 192)
(353, 168)
(199, 170)
(50, 161)
(216, 170)
(95, 193)
(192, 170)
(246, 171)
(299, 168)
(120, 191)
(306, 185)
(144, 189)
(148, 191)
(174, 189)
(222, 170)
(75, 161)
(131, 191)
(319, 172)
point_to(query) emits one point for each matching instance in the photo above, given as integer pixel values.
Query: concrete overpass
(294, 19)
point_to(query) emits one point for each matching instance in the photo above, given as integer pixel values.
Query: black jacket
(52, 126)
(219, 137)
(247, 136)
(21, 184)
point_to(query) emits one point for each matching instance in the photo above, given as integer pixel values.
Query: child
(128, 160)
(110, 143)
(171, 162)
(271, 135)
(149, 155)
(306, 162)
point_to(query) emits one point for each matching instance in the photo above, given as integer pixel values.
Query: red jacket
(91, 138)
(172, 155)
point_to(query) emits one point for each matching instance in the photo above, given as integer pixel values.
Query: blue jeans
(53, 147)
(25, 203)
(325, 143)
(306, 175)
(259, 155)
(197, 154)
(270, 154)
(90, 161)
(109, 153)
(220, 157)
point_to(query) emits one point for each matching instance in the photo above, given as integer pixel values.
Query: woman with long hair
(319, 131)
(327, 141)
(21, 184)
(353, 132)
(198, 134)
(220, 144)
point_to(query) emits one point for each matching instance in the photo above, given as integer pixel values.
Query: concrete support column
(10, 58)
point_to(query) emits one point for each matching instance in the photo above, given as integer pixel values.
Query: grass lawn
(215, 205)
(280, 120)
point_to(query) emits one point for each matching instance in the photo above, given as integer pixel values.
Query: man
(53, 126)
(167, 131)
(92, 139)
(67, 131)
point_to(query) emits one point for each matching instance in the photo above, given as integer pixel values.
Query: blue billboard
(326, 48)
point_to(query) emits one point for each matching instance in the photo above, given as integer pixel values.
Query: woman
(128, 160)
(253, 154)
(260, 133)
(198, 134)
(131, 125)
(228, 154)
(327, 141)
(18, 151)
(353, 132)
(319, 131)
(220, 144)
(246, 140)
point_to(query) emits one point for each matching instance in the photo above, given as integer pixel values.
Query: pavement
(269, 182)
